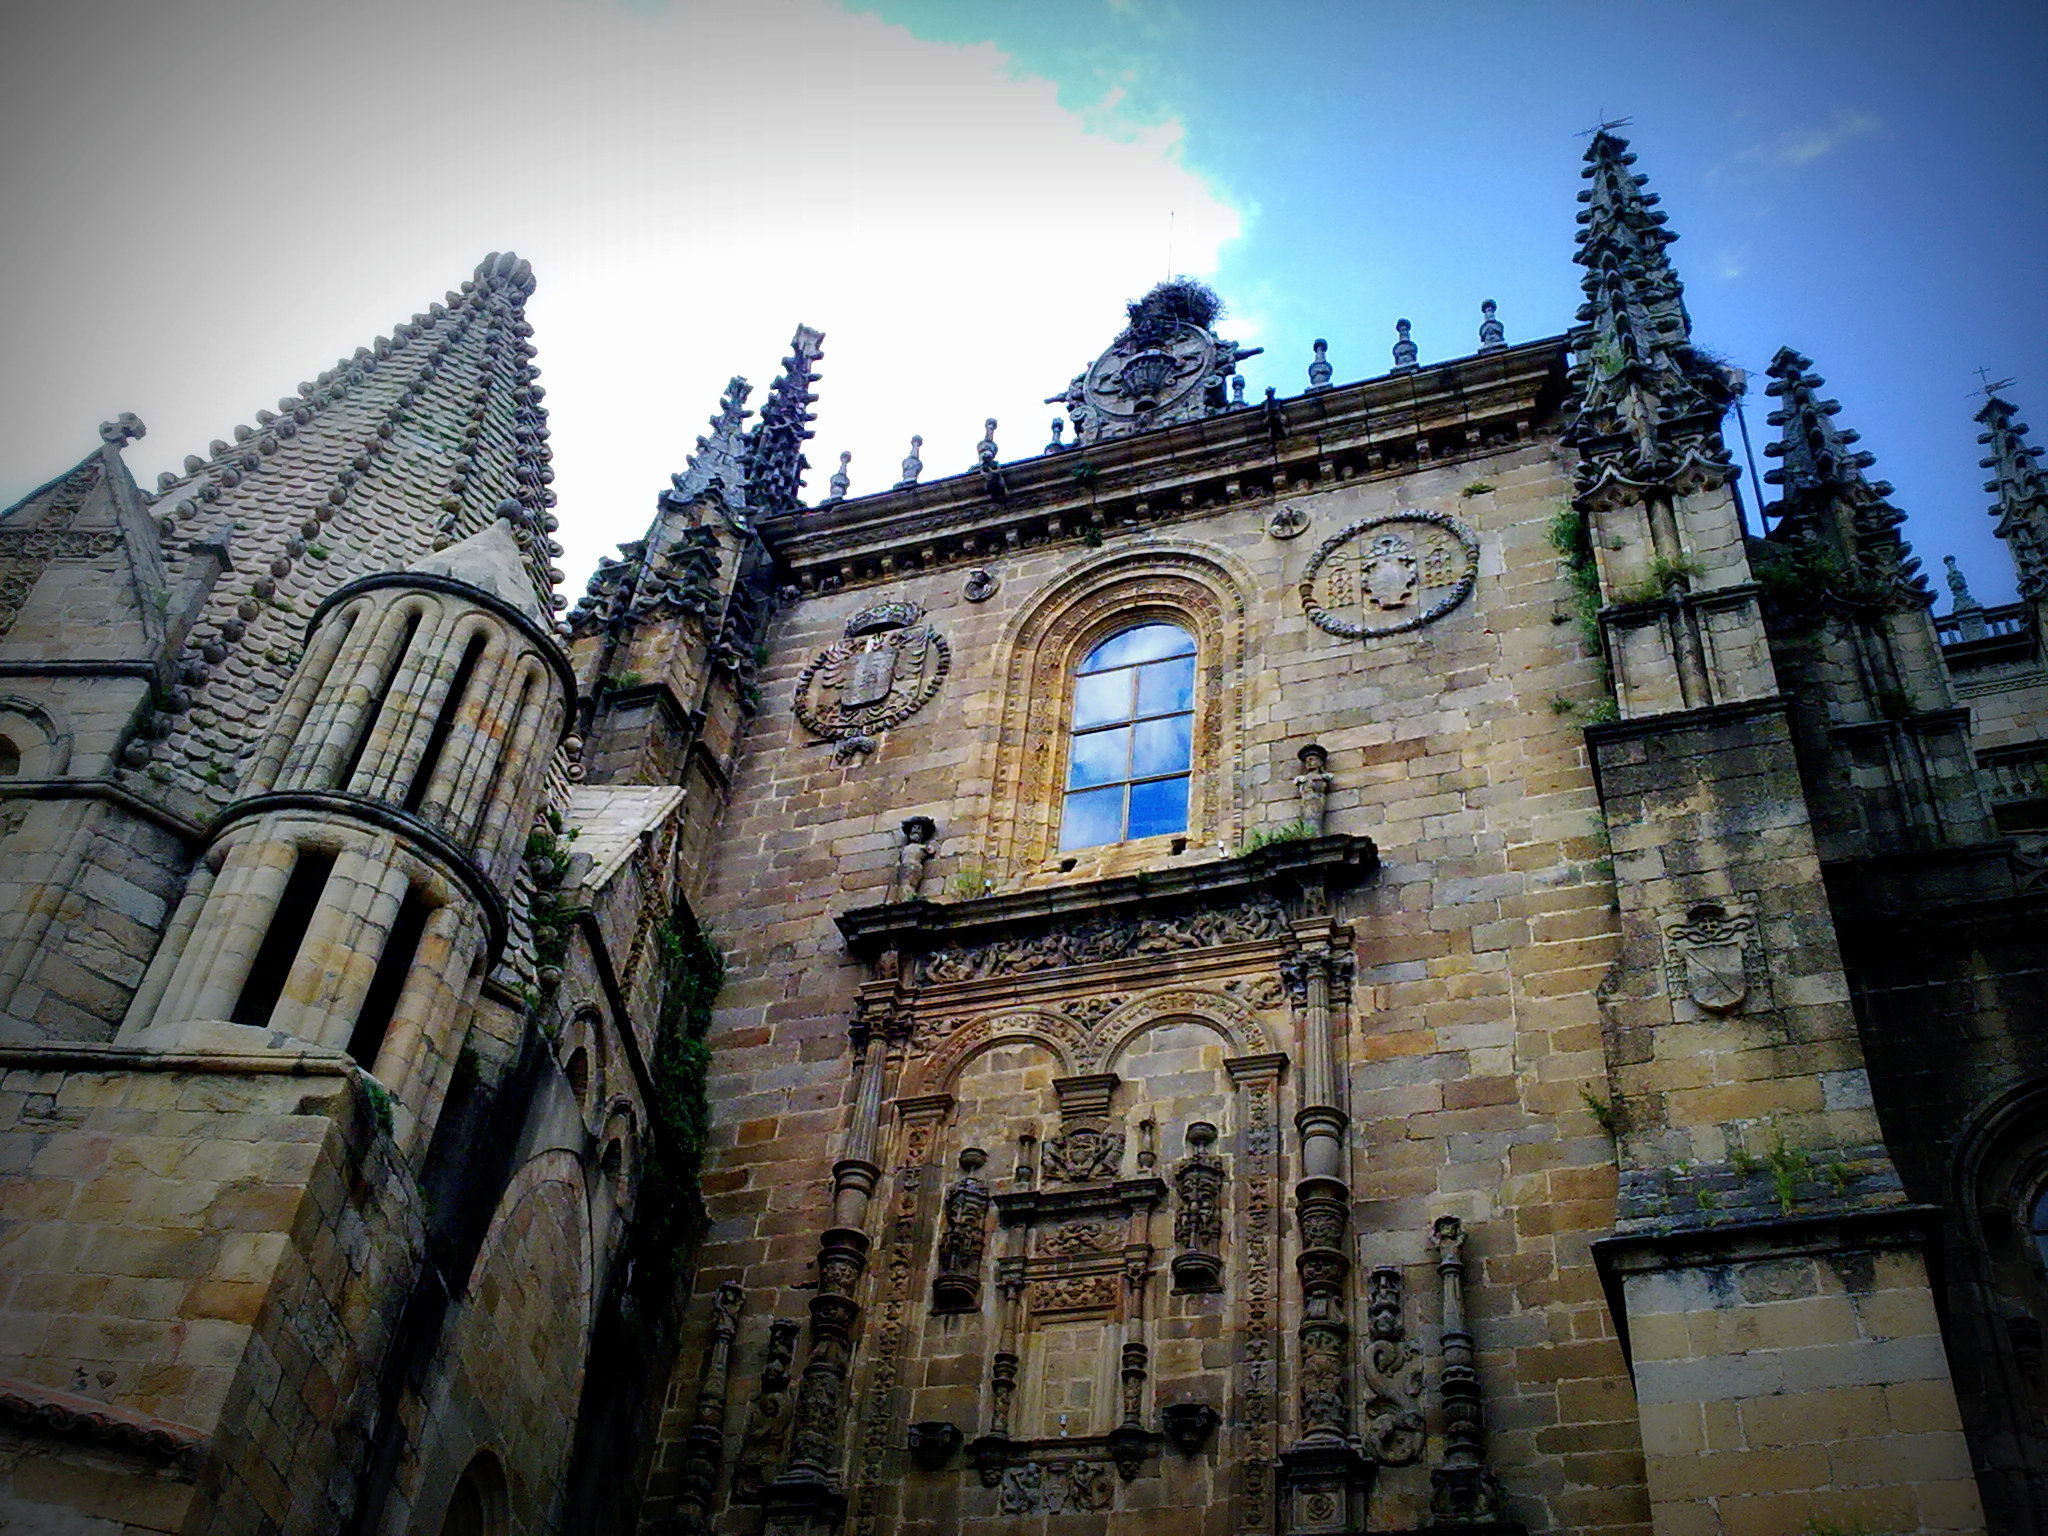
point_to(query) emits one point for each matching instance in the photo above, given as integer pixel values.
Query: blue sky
(209, 200)
(1867, 183)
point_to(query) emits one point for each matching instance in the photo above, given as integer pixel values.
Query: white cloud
(211, 201)
(1805, 144)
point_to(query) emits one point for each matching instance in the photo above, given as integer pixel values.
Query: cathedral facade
(1378, 959)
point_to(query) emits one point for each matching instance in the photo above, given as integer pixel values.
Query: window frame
(1135, 716)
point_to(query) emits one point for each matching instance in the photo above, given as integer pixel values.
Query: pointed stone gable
(414, 443)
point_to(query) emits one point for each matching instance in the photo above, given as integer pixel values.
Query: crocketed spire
(2022, 492)
(775, 448)
(415, 443)
(1649, 404)
(1825, 499)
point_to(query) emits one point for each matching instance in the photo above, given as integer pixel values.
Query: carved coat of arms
(1385, 575)
(1713, 956)
(888, 666)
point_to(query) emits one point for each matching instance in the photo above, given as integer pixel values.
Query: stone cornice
(1380, 427)
(1321, 864)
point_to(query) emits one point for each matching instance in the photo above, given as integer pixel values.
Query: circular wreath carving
(1396, 572)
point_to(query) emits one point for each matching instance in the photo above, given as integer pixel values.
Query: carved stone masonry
(1085, 1150)
(704, 1442)
(914, 858)
(1312, 786)
(1394, 1429)
(1198, 1223)
(761, 1442)
(1462, 1490)
(1714, 956)
(963, 1239)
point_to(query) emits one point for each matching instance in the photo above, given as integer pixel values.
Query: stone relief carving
(888, 666)
(1082, 1155)
(913, 859)
(879, 1413)
(981, 585)
(1258, 1317)
(767, 1427)
(1081, 1238)
(1394, 1430)
(1713, 955)
(1387, 575)
(963, 1238)
(1198, 1222)
(1074, 1293)
(1108, 938)
(1030, 1487)
(1289, 522)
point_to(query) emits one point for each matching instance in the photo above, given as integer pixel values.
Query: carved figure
(1289, 522)
(1108, 938)
(963, 1238)
(1492, 335)
(1319, 370)
(1394, 1428)
(914, 857)
(985, 450)
(1312, 786)
(1022, 1488)
(767, 1427)
(1198, 1223)
(1091, 1484)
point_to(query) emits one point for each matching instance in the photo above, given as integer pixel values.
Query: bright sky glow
(209, 200)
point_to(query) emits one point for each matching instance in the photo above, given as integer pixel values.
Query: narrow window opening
(444, 723)
(373, 709)
(280, 946)
(394, 967)
(485, 808)
(10, 759)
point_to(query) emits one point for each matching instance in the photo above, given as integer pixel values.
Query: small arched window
(2037, 1225)
(1132, 748)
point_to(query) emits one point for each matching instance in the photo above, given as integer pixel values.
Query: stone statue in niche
(914, 857)
(1198, 1222)
(768, 1420)
(1393, 1374)
(1083, 1155)
(1312, 786)
(963, 1238)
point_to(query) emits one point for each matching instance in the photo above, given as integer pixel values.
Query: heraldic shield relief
(1385, 575)
(1713, 956)
(886, 669)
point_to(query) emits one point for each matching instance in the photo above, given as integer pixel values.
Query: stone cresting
(420, 440)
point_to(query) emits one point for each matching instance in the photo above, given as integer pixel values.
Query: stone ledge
(48, 1412)
(59, 1056)
(1822, 1234)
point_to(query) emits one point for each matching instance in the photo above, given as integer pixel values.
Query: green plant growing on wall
(970, 880)
(1573, 541)
(1787, 1166)
(1265, 837)
(547, 862)
(1607, 1112)
(1477, 488)
(670, 1207)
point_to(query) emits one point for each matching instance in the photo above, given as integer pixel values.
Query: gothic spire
(2022, 492)
(775, 448)
(1825, 498)
(416, 442)
(719, 462)
(1649, 404)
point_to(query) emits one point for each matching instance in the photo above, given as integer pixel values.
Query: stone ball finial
(972, 1159)
(1201, 1134)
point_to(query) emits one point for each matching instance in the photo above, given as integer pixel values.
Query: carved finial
(913, 466)
(1319, 370)
(841, 481)
(1404, 348)
(1059, 425)
(985, 450)
(124, 428)
(1959, 585)
(2022, 491)
(1237, 391)
(1493, 336)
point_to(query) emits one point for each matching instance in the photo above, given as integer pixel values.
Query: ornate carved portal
(1067, 1256)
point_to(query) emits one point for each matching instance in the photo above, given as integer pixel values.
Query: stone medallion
(886, 669)
(1386, 575)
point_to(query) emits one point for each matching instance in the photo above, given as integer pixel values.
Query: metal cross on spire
(1988, 387)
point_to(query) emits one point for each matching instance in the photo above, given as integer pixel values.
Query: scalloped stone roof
(425, 438)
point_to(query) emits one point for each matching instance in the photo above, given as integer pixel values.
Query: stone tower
(1377, 960)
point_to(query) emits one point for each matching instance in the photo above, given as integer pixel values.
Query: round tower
(356, 895)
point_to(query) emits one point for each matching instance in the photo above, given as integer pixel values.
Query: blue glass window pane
(1101, 757)
(1094, 817)
(1161, 746)
(1102, 698)
(1166, 686)
(1148, 642)
(1159, 807)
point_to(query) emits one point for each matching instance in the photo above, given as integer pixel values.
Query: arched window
(476, 1506)
(1132, 738)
